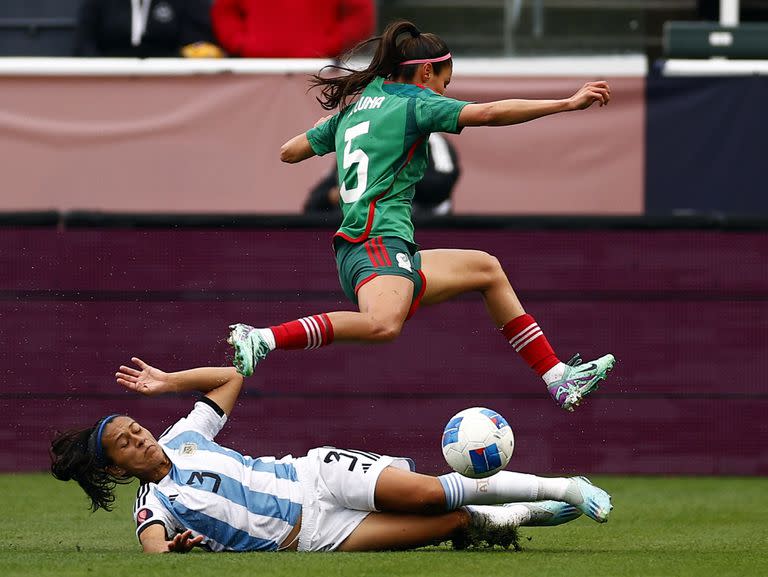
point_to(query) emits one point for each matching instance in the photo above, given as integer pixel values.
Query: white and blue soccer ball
(478, 442)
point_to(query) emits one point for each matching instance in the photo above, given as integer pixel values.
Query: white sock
(269, 337)
(555, 488)
(503, 487)
(506, 487)
(554, 374)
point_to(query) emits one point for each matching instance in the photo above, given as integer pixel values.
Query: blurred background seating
(145, 29)
(471, 27)
(37, 27)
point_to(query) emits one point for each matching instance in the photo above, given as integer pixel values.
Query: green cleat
(579, 380)
(250, 347)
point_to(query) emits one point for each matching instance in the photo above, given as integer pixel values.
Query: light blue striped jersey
(237, 503)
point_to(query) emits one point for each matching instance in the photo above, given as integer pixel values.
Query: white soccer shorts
(338, 487)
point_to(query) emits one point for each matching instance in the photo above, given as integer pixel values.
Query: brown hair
(71, 459)
(400, 41)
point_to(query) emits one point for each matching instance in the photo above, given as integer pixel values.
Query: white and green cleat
(579, 380)
(589, 499)
(549, 513)
(250, 347)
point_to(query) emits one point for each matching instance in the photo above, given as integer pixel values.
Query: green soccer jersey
(381, 141)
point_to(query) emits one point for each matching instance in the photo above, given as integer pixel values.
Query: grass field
(659, 526)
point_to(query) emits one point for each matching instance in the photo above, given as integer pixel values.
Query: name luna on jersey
(368, 103)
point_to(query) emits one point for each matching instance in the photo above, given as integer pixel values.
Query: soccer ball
(477, 442)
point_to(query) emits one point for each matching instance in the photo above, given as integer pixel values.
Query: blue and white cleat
(589, 499)
(579, 380)
(549, 513)
(250, 347)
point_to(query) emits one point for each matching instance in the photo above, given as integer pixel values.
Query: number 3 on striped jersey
(358, 157)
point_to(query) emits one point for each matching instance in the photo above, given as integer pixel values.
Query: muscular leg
(410, 505)
(384, 303)
(451, 272)
(386, 531)
(402, 491)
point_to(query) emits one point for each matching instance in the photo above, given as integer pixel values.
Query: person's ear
(427, 72)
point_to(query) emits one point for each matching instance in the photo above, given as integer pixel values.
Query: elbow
(290, 154)
(285, 154)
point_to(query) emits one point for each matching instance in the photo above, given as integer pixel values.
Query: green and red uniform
(381, 141)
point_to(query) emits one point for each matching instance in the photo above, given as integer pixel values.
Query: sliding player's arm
(153, 541)
(508, 112)
(220, 384)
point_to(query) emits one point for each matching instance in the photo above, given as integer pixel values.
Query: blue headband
(94, 441)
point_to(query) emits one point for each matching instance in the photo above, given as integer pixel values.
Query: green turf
(660, 526)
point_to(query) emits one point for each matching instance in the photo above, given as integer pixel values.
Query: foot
(490, 525)
(548, 513)
(250, 348)
(579, 380)
(496, 516)
(590, 500)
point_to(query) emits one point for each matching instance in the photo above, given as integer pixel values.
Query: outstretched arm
(507, 112)
(220, 384)
(153, 541)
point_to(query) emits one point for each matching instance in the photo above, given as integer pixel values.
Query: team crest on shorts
(188, 449)
(403, 261)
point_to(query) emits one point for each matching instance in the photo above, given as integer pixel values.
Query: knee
(385, 329)
(489, 268)
(430, 498)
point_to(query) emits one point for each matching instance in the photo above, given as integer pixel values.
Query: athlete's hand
(183, 544)
(590, 93)
(323, 119)
(148, 381)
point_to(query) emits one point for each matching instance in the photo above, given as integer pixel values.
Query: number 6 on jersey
(358, 157)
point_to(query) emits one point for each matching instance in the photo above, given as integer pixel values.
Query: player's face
(439, 82)
(132, 447)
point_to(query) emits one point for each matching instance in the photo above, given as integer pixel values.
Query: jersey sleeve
(206, 418)
(435, 113)
(322, 138)
(149, 510)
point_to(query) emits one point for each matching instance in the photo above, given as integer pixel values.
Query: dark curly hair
(400, 41)
(71, 459)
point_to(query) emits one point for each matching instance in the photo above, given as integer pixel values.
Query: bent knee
(385, 330)
(487, 268)
(429, 498)
(489, 264)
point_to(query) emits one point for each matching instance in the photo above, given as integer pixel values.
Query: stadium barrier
(683, 309)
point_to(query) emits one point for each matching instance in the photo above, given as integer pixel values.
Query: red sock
(305, 333)
(524, 334)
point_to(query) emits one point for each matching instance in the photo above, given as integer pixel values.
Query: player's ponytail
(401, 41)
(71, 459)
